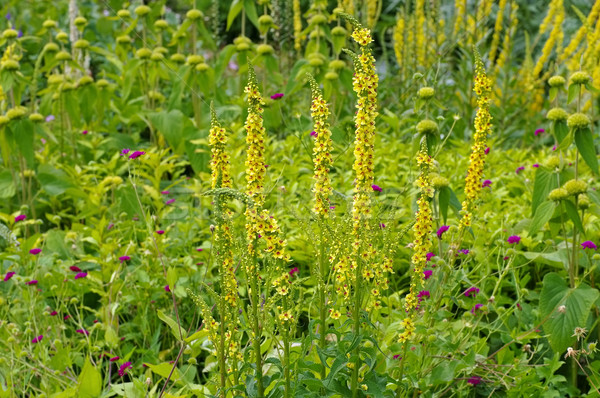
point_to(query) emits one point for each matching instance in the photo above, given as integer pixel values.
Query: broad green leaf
(127, 200)
(573, 215)
(542, 215)
(55, 242)
(561, 130)
(552, 93)
(89, 381)
(545, 181)
(443, 373)
(172, 324)
(250, 8)
(170, 124)
(171, 277)
(585, 143)
(7, 185)
(164, 369)
(566, 142)
(574, 90)
(234, 10)
(55, 182)
(444, 201)
(578, 304)
(23, 134)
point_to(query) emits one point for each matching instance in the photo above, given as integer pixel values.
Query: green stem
(322, 307)
(286, 354)
(357, 301)
(257, 330)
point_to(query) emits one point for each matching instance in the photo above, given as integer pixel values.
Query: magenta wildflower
(441, 231)
(588, 244)
(80, 275)
(66, 317)
(486, 184)
(313, 134)
(519, 169)
(35, 251)
(82, 331)
(9, 275)
(75, 268)
(427, 274)
(124, 258)
(170, 201)
(331, 207)
(165, 192)
(487, 150)
(471, 292)
(422, 294)
(397, 356)
(123, 368)
(505, 258)
(84, 132)
(554, 148)
(513, 239)
(376, 188)
(125, 151)
(20, 217)
(381, 225)
(136, 154)
(110, 226)
(294, 271)
(37, 339)
(539, 131)
(430, 256)
(233, 65)
(50, 118)
(535, 165)
(474, 380)
(475, 308)
(277, 96)
(32, 282)
(167, 288)
(464, 251)
(113, 359)
(54, 313)
(160, 232)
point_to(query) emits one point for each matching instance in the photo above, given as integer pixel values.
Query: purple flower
(486, 183)
(513, 239)
(136, 154)
(20, 33)
(160, 232)
(170, 201)
(80, 275)
(422, 294)
(165, 192)
(588, 244)
(430, 256)
(376, 188)
(313, 133)
(519, 169)
(54, 313)
(84, 132)
(505, 258)
(487, 150)
(106, 13)
(381, 225)
(474, 380)
(125, 151)
(123, 368)
(427, 274)
(464, 251)
(8, 16)
(471, 292)
(110, 226)
(37, 339)
(9, 275)
(535, 165)
(294, 271)
(554, 148)
(50, 118)
(124, 258)
(113, 359)
(33, 282)
(475, 308)
(397, 356)
(441, 231)
(83, 331)
(199, 249)
(35, 251)
(233, 66)
(20, 217)
(276, 96)
(75, 268)
(539, 131)
(167, 288)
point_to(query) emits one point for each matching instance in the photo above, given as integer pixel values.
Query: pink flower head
(381, 225)
(66, 317)
(554, 148)
(20, 217)
(80, 275)
(313, 134)
(75, 268)
(136, 154)
(32, 282)
(167, 288)
(113, 359)
(476, 308)
(588, 244)
(54, 313)
(37, 339)
(513, 239)
(430, 256)
(427, 274)
(294, 271)
(124, 258)
(170, 201)
(519, 169)
(376, 188)
(35, 251)
(160, 232)
(535, 165)
(123, 368)
(474, 380)
(397, 356)
(125, 151)
(464, 251)
(487, 150)
(82, 331)
(441, 231)
(277, 96)
(505, 258)
(423, 294)
(539, 131)
(471, 292)
(486, 184)
(50, 118)
(9, 275)
(199, 249)
(84, 132)
(165, 192)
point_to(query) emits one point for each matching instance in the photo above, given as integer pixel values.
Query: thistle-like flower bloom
(477, 159)
(322, 150)
(422, 241)
(219, 162)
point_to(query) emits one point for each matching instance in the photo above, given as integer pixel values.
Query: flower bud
(556, 81)
(576, 187)
(426, 93)
(580, 77)
(556, 114)
(578, 121)
(142, 10)
(427, 127)
(194, 14)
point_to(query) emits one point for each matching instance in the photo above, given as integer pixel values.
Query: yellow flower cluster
(460, 10)
(219, 162)
(224, 243)
(297, 25)
(497, 30)
(322, 150)
(482, 129)
(556, 14)
(580, 34)
(208, 321)
(399, 39)
(372, 11)
(508, 35)
(420, 34)
(422, 240)
(282, 284)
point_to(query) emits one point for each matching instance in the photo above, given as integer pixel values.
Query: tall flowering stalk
(556, 16)
(477, 159)
(497, 30)
(365, 83)
(297, 25)
(420, 32)
(399, 45)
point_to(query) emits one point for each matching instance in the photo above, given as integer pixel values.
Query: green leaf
(164, 369)
(250, 7)
(7, 185)
(444, 201)
(542, 215)
(55, 182)
(443, 373)
(127, 200)
(573, 214)
(545, 181)
(172, 324)
(561, 130)
(585, 143)
(23, 134)
(552, 93)
(171, 277)
(566, 142)
(170, 124)
(234, 10)
(578, 304)
(574, 90)
(89, 381)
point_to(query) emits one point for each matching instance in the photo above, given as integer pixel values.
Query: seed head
(576, 187)
(558, 194)
(426, 93)
(556, 114)
(578, 121)
(427, 126)
(556, 81)
(580, 78)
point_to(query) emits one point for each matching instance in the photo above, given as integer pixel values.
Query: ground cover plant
(306, 198)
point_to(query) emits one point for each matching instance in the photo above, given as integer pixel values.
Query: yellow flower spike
(322, 150)
(420, 34)
(219, 163)
(497, 29)
(460, 7)
(483, 120)
(297, 25)
(399, 39)
(556, 14)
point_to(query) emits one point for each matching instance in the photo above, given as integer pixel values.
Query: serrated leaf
(578, 304)
(542, 215)
(585, 143)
